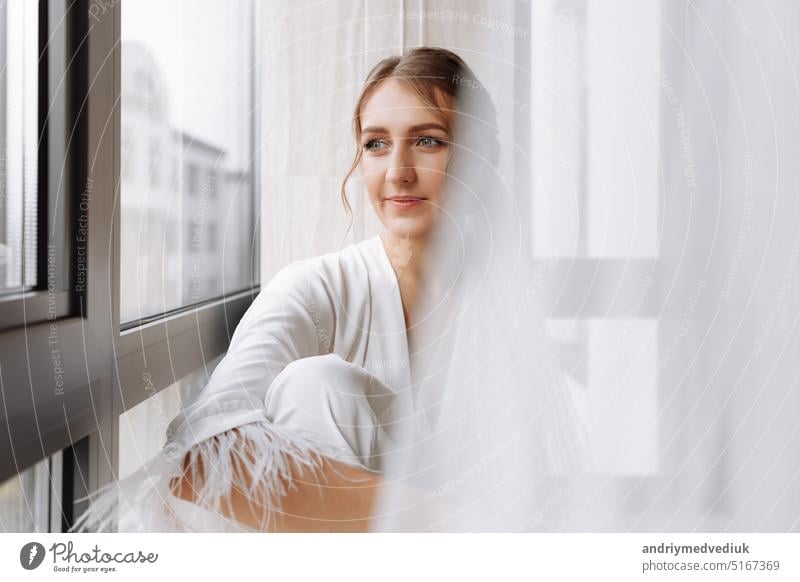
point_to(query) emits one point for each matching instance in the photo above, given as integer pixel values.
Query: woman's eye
(373, 144)
(429, 142)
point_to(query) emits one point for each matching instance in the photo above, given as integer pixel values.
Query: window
(212, 237)
(25, 499)
(19, 137)
(212, 184)
(192, 182)
(142, 429)
(598, 182)
(91, 302)
(45, 191)
(155, 159)
(41, 497)
(187, 86)
(596, 221)
(613, 363)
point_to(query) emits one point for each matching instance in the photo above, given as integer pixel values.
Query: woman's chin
(409, 227)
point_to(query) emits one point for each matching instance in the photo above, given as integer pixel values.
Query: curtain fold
(660, 192)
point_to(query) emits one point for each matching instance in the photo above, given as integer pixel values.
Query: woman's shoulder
(326, 277)
(331, 268)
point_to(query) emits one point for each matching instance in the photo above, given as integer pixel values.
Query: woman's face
(404, 161)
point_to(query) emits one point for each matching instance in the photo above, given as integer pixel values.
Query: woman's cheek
(434, 181)
(372, 181)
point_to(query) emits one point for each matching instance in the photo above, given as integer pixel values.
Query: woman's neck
(407, 256)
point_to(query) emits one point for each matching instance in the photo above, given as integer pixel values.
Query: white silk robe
(320, 361)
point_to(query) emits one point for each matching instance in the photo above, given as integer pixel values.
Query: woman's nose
(401, 168)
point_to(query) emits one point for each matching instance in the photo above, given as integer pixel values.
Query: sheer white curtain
(665, 181)
(660, 187)
(314, 57)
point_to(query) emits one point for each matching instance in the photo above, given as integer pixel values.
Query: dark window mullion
(43, 99)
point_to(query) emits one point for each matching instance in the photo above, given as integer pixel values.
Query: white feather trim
(145, 498)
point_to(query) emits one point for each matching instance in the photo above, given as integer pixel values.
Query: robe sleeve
(293, 317)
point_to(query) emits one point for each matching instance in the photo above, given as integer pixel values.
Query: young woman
(291, 431)
(344, 362)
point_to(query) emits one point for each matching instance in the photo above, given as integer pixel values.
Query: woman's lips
(405, 202)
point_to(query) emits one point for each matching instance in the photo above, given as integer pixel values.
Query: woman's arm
(335, 497)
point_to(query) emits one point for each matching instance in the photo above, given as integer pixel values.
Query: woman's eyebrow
(413, 129)
(426, 126)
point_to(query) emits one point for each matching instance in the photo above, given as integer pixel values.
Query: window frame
(56, 100)
(106, 361)
(54, 323)
(168, 346)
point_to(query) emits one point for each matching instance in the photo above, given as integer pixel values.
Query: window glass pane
(614, 368)
(25, 499)
(188, 128)
(623, 119)
(142, 429)
(18, 144)
(596, 98)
